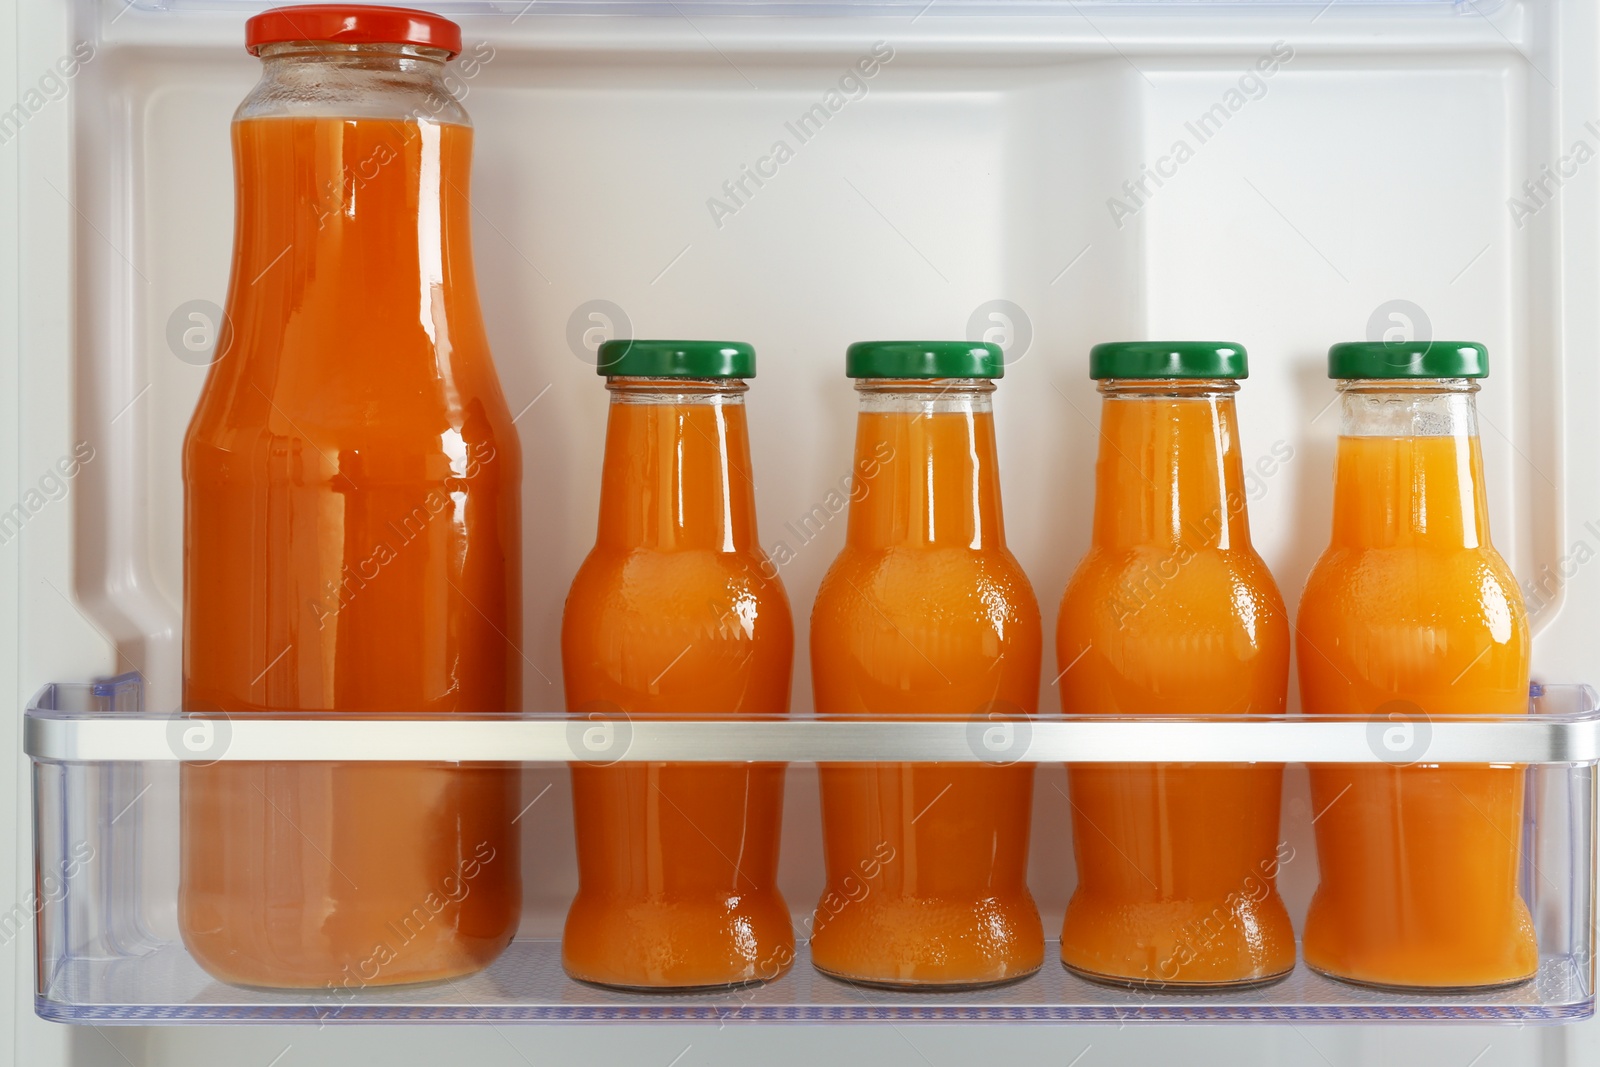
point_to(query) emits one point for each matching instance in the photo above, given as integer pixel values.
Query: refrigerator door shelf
(107, 802)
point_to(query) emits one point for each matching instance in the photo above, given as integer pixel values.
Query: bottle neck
(1410, 465)
(1169, 471)
(925, 468)
(325, 79)
(677, 466)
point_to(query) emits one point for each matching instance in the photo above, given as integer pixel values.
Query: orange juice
(1411, 613)
(677, 612)
(352, 544)
(926, 613)
(1172, 612)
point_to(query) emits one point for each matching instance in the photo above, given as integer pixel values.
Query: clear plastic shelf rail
(107, 805)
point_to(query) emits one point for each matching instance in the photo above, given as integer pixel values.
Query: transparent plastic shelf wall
(106, 811)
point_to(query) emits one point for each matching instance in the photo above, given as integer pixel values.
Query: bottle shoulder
(1182, 571)
(1445, 629)
(265, 385)
(299, 373)
(693, 630)
(973, 611)
(1403, 584)
(919, 576)
(455, 451)
(1410, 565)
(680, 583)
(1146, 598)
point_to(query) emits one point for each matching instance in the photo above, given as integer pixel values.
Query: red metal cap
(351, 24)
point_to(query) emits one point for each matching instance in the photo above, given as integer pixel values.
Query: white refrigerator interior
(1045, 175)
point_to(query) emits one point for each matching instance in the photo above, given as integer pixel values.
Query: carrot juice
(1172, 612)
(1410, 614)
(676, 612)
(926, 613)
(352, 543)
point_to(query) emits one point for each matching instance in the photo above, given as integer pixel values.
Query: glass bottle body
(1411, 613)
(1173, 612)
(926, 612)
(352, 539)
(677, 612)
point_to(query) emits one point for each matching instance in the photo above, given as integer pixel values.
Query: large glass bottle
(1172, 612)
(676, 612)
(351, 524)
(1412, 614)
(926, 613)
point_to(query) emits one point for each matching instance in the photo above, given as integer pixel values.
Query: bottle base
(260, 966)
(926, 986)
(1415, 988)
(1158, 985)
(894, 941)
(677, 990)
(703, 942)
(342, 982)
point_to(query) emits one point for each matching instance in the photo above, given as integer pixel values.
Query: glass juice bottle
(1411, 613)
(351, 524)
(677, 612)
(926, 613)
(1172, 612)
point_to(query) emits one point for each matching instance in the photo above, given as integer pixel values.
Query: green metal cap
(1408, 359)
(638, 358)
(924, 359)
(1168, 359)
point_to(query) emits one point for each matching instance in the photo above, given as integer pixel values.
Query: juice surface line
(677, 611)
(926, 613)
(1173, 612)
(352, 541)
(1411, 614)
